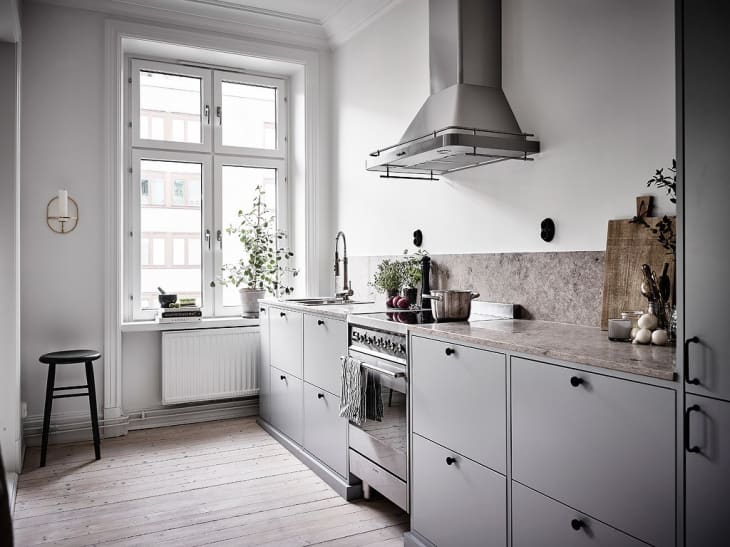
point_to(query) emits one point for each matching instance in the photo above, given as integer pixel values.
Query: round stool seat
(69, 356)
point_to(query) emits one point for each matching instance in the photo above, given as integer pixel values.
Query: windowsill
(205, 323)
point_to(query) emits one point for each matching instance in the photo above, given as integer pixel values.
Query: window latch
(219, 237)
(206, 111)
(219, 114)
(207, 238)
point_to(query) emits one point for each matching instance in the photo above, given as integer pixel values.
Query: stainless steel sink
(324, 301)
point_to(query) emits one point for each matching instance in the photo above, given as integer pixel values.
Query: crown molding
(235, 19)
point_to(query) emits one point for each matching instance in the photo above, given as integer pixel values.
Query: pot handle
(432, 296)
(474, 295)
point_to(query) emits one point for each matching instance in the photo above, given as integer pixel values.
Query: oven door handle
(391, 373)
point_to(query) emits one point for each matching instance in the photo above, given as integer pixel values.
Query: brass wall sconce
(62, 213)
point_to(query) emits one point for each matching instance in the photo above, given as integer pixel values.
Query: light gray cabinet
(708, 471)
(325, 433)
(285, 331)
(539, 520)
(286, 404)
(458, 395)
(264, 365)
(325, 340)
(458, 503)
(603, 445)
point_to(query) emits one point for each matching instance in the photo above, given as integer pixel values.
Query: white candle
(63, 203)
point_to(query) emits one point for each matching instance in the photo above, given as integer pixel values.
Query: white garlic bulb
(643, 336)
(648, 321)
(659, 337)
(633, 332)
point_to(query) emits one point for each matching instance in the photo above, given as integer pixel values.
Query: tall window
(201, 141)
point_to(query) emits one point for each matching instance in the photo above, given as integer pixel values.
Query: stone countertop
(332, 311)
(572, 343)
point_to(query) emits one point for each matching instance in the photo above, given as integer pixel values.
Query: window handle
(207, 238)
(206, 113)
(219, 237)
(219, 114)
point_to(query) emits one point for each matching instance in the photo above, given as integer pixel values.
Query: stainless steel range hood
(467, 120)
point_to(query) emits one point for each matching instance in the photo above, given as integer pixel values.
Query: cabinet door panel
(461, 504)
(605, 446)
(459, 399)
(708, 472)
(706, 195)
(539, 520)
(264, 371)
(286, 404)
(285, 331)
(325, 433)
(325, 340)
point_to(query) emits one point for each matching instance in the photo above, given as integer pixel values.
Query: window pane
(167, 103)
(249, 115)
(238, 186)
(168, 228)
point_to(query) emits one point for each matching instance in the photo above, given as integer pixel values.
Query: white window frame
(212, 156)
(205, 105)
(134, 257)
(281, 211)
(220, 77)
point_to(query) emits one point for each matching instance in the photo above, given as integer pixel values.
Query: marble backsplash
(565, 287)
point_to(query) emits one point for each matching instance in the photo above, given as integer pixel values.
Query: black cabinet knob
(282, 314)
(577, 524)
(262, 310)
(320, 395)
(450, 351)
(320, 322)
(450, 460)
(282, 377)
(575, 381)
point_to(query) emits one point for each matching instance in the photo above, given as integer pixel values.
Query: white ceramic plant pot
(250, 300)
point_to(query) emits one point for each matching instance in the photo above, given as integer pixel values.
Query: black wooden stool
(68, 357)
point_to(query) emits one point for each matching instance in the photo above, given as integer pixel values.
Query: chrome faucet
(346, 291)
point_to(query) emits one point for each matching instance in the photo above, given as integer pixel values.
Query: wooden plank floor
(227, 482)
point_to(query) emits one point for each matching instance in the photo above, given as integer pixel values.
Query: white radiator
(208, 364)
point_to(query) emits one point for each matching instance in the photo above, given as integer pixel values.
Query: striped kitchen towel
(352, 401)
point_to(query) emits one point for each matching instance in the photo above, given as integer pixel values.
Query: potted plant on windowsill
(263, 267)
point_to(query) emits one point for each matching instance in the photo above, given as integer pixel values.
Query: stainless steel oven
(379, 446)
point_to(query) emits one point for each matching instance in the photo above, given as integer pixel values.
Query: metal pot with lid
(451, 305)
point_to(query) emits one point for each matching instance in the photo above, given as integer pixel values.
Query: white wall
(594, 80)
(10, 428)
(62, 147)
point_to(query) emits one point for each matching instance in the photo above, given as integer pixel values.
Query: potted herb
(411, 274)
(262, 269)
(388, 278)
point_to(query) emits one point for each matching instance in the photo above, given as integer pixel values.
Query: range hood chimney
(466, 121)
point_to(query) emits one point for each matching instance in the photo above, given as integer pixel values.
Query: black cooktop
(408, 317)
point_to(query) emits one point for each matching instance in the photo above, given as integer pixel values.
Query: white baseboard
(76, 426)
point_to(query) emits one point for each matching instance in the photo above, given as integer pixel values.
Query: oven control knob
(369, 340)
(356, 336)
(401, 348)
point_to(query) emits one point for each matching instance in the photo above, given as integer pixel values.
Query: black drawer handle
(576, 381)
(450, 460)
(320, 322)
(282, 377)
(687, 447)
(282, 314)
(577, 524)
(320, 395)
(687, 342)
(450, 351)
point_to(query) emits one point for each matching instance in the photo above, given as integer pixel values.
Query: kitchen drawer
(285, 331)
(459, 399)
(378, 478)
(325, 340)
(286, 404)
(264, 370)
(538, 520)
(460, 504)
(603, 445)
(325, 433)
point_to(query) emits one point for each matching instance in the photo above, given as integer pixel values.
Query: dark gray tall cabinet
(704, 209)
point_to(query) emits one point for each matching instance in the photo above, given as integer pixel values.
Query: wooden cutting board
(628, 246)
